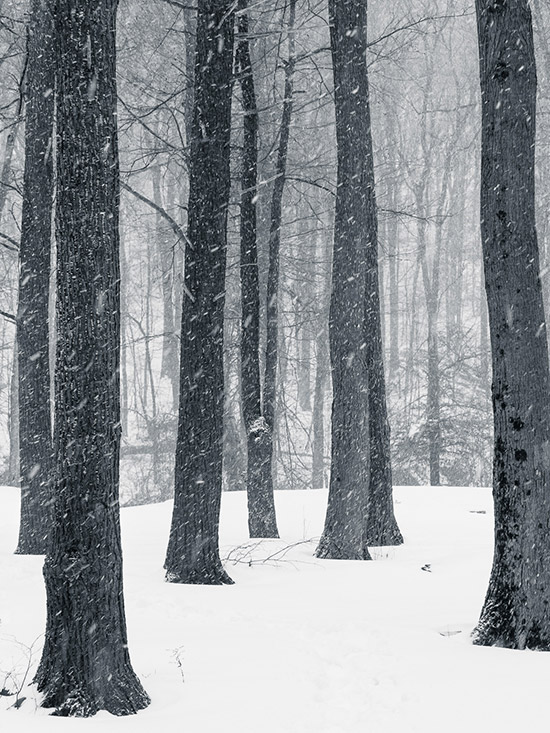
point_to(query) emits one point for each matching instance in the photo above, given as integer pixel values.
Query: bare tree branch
(165, 215)
(14, 242)
(8, 316)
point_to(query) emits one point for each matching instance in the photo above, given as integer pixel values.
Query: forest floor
(297, 645)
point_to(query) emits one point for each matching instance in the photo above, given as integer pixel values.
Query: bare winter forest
(252, 246)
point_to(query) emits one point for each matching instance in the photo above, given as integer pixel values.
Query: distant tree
(516, 612)
(260, 405)
(193, 548)
(85, 664)
(259, 483)
(35, 434)
(360, 479)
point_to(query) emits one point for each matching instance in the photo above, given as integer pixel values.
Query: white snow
(298, 645)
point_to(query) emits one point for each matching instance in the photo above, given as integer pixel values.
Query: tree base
(30, 549)
(330, 549)
(494, 629)
(263, 531)
(123, 696)
(215, 576)
(386, 537)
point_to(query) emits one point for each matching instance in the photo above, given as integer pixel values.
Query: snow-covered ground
(297, 645)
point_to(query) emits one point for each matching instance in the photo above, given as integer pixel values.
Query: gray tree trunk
(193, 548)
(35, 436)
(85, 665)
(516, 612)
(259, 481)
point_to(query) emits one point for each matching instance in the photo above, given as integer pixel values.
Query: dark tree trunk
(259, 483)
(193, 548)
(516, 612)
(35, 434)
(381, 526)
(85, 664)
(360, 506)
(269, 401)
(355, 224)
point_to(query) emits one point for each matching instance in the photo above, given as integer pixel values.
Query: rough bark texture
(516, 612)
(85, 664)
(344, 532)
(35, 433)
(193, 553)
(360, 469)
(259, 483)
(381, 526)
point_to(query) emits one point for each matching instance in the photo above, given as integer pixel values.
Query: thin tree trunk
(318, 418)
(6, 172)
(259, 485)
(35, 438)
(193, 549)
(85, 665)
(169, 364)
(269, 401)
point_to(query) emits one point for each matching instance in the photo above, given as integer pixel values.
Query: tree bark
(381, 526)
(85, 665)
(259, 482)
(516, 612)
(344, 532)
(269, 396)
(193, 548)
(360, 505)
(35, 433)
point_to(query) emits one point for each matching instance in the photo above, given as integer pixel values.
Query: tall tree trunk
(355, 224)
(85, 664)
(381, 526)
(516, 612)
(360, 506)
(269, 397)
(259, 482)
(193, 548)
(35, 439)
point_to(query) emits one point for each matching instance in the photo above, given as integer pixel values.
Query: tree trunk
(85, 664)
(269, 401)
(259, 483)
(516, 612)
(354, 227)
(318, 417)
(381, 526)
(169, 364)
(35, 438)
(193, 552)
